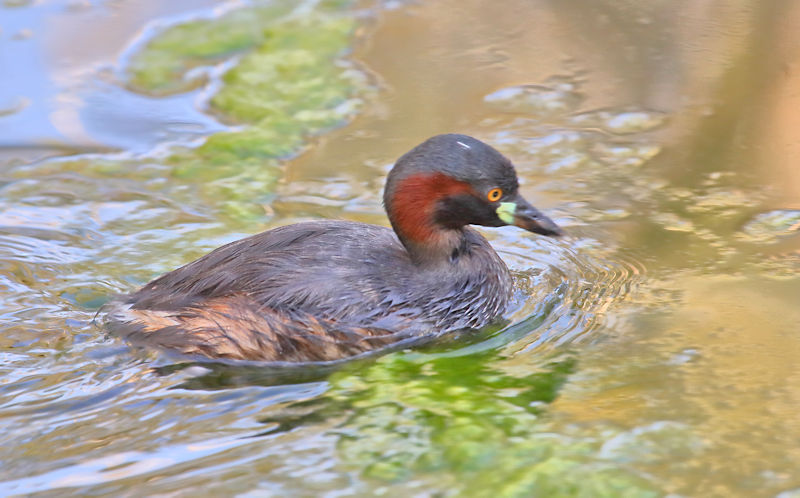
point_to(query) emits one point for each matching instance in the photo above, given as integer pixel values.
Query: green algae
(286, 80)
(482, 425)
(463, 426)
(164, 63)
(289, 81)
(161, 66)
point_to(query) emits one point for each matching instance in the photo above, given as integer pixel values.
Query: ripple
(782, 266)
(565, 290)
(657, 442)
(558, 95)
(329, 198)
(553, 149)
(620, 122)
(721, 201)
(626, 154)
(771, 226)
(674, 223)
(580, 159)
(14, 106)
(35, 251)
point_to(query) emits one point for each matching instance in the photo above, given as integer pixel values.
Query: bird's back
(313, 291)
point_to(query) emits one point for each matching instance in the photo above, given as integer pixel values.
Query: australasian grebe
(327, 290)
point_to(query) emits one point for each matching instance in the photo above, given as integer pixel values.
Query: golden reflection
(725, 359)
(778, 124)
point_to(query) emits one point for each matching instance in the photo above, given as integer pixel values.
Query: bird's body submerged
(326, 290)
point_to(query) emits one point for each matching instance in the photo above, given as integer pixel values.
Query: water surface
(651, 352)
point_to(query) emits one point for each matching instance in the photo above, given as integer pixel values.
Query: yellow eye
(494, 195)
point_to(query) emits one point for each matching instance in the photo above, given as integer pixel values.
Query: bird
(333, 290)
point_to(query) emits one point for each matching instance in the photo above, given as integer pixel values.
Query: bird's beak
(518, 212)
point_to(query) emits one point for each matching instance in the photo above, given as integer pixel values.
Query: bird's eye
(494, 195)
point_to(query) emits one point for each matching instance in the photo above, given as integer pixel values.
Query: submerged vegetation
(285, 78)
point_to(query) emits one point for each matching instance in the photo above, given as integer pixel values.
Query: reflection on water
(651, 351)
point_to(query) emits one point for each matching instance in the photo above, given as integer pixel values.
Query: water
(650, 352)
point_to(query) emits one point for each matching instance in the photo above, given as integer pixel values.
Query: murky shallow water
(653, 351)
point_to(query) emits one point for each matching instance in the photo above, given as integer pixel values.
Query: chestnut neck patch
(413, 204)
